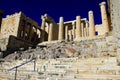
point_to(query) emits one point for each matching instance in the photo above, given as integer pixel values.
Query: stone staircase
(102, 68)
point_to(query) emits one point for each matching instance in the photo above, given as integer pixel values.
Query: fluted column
(82, 29)
(85, 34)
(104, 16)
(61, 29)
(70, 35)
(43, 29)
(78, 27)
(50, 35)
(43, 23)
(73, 29)
(47, 27)
(66, 33)
(87, 28)
(91, 24)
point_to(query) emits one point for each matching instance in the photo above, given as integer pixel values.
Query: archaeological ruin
(22, 31)
(68, 50)
(75, 30)
(17, 31)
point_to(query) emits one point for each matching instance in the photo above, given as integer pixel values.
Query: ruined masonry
(72, 50)
(75, 30)
(18, 31)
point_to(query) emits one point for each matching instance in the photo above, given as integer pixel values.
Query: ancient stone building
(17, 30)
(21, 31)
(49, 28)
(77, 29)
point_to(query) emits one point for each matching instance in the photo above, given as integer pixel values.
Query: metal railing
(16, 67)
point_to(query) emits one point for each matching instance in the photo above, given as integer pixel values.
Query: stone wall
(114, 10)
(22, 29)
(18, 43)
(13, 43)
(28, 29)
(3, 44)
(10, 25)
(99, 29)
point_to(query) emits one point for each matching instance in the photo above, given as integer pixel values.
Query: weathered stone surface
(115, 17)
(102, 68)
(85, 48)
(17, 31)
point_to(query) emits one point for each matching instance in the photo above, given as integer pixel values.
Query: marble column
(66, 33)
(43, 23)
(105, 23)
(73, 29)
(91, 24)
(70, 35)
(61, 29)
(85, 34)
(78, 27)
(87, 28)
(50, 35)
(43, 29)
(82, 28)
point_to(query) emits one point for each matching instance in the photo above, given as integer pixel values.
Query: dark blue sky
(69, 9)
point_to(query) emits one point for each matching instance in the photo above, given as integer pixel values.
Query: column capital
(90, 12)
(51, 24)
(102, 3)
(43, 18)
(45, 14)
(78, 17)
(61, 19)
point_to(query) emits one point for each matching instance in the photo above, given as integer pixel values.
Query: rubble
(63, 49)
